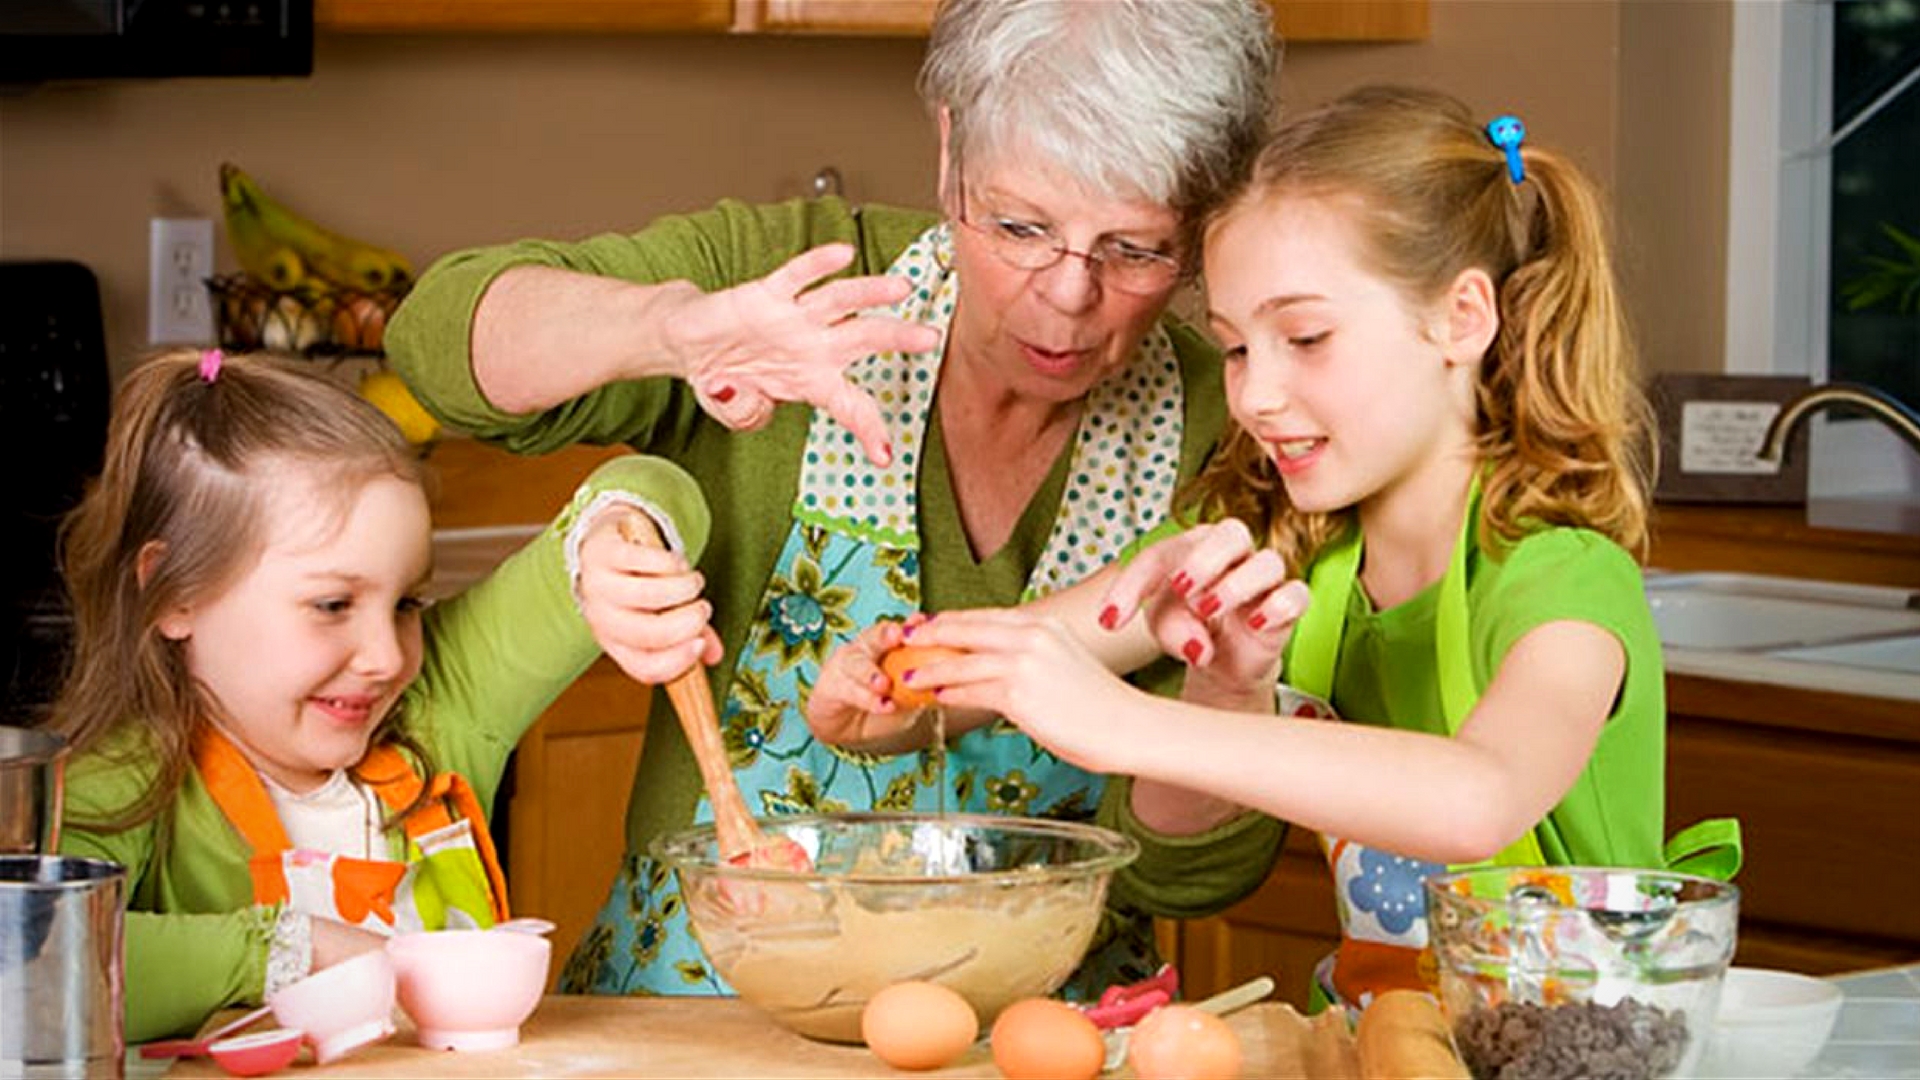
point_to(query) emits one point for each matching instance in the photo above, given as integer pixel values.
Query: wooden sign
(1710, 428)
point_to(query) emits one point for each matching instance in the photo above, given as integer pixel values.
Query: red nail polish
(723, 394)
(1192, 651)
(907, 676)
(1181, 583)
(1209, 605)
(1109, 616)
(1258, 620)
(907, 631)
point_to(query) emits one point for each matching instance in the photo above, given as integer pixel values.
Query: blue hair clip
(1506, 133)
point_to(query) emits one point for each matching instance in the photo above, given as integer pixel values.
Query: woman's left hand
(848, 705)
(643, 602)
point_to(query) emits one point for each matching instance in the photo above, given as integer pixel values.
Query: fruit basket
(311, 320)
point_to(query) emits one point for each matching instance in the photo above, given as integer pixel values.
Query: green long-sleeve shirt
(751, 477)
(495, 657)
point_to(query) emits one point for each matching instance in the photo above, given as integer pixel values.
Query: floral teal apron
(852, 558)
(1380, 895)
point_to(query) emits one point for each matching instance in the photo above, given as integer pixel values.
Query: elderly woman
(999, 404)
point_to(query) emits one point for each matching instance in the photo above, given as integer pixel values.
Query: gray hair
(1165, 100)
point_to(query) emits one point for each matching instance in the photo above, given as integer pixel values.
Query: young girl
(1437, 420)
(292, 752)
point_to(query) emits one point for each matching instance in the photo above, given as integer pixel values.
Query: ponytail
(1561, 425)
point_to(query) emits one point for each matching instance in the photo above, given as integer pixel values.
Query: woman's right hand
(1218, 601)
(785, 338)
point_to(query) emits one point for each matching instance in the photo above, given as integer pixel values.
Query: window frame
(1777, 199)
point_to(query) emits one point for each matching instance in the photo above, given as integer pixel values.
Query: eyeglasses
(1024, 245)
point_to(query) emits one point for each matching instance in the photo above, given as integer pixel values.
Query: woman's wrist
(673, 343)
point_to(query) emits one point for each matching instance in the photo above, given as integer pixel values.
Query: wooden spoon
(742, 843)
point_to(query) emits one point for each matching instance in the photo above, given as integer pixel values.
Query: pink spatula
(172, 1048)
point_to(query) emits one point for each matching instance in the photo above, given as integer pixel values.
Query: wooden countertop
(1867, 541)
(711, 1037)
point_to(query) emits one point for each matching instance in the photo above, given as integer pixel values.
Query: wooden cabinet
(1825, 789)
(563, 812)
(524, 15)
(1294, 20)
(1281, 931)
(903, 18)
(1823, 784)
(566, 811)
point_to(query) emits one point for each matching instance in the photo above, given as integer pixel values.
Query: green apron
(1387, 887)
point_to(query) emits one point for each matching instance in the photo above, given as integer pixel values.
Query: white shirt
(340, 817)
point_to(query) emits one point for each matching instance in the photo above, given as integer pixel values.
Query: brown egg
(905, 658)
(1044, 1039)
(1180, 1042)
(918, 1025)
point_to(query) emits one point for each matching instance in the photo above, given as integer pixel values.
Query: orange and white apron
(449, 879)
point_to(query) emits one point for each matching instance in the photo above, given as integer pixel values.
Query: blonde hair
(184, 487)
(1562, 429)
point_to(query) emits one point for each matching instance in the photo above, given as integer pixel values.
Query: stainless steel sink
(1886, 654)
(1826, 635)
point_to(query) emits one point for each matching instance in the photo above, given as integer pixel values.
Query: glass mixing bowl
(1579, 971)
(997, 908)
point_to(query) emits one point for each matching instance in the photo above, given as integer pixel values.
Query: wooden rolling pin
(1404, 1036)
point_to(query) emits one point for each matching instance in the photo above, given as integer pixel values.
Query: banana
(286, 250)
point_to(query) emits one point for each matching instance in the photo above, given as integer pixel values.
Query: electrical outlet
(179, 260)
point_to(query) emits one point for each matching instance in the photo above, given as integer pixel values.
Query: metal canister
(32, 767)
(62, 967)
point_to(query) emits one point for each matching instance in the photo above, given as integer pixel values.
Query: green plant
(1890, 277)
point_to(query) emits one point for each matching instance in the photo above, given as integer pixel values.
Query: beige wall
(1672, 185)
(429, 143)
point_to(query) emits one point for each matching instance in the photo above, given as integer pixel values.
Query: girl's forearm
(1417, 795)
(543, 335)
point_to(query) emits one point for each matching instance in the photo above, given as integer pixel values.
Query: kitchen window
(1824, 216)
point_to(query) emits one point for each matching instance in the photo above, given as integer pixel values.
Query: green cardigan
(496, 656)
(750, 479)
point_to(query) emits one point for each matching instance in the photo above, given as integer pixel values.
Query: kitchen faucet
(1883, 407)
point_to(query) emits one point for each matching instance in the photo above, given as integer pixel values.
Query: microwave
(42, 40)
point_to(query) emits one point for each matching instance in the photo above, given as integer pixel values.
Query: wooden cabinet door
(877, 17)
(523, 15)
(1823, 785)
(567, 820)
(1281, 931)
(1294, 20)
